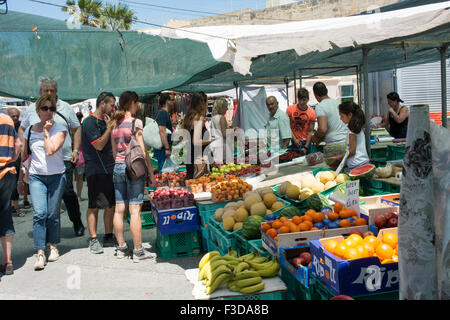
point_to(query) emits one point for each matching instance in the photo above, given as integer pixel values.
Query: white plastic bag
(169, 166)
(151, 134)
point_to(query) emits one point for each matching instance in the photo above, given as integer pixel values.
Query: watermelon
(363, 172)
(251, 226)
(317, 201)
(290, 211)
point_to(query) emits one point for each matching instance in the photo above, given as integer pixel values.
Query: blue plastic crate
(173, 221)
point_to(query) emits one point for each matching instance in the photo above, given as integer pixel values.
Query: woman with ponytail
(353, 116)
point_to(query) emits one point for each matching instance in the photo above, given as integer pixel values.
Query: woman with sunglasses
(47, 180)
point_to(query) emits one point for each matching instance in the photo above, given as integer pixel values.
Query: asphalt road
(80, 275)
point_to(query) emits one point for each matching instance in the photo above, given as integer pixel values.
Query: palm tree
(91, 11)
(118, 17)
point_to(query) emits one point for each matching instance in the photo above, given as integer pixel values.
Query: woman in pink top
(128, 192)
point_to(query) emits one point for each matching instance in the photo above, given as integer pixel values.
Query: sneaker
(40, 261)
(109, 240)
(95, 246)
(122, 252)
(54, 254)
(141, 254)
(7, 269)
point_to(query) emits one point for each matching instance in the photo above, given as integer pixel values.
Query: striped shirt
(122, 136)
(8, 136)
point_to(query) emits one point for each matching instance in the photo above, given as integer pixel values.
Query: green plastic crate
(242, 245)
(205, 236)
(172, 246)
(379, 154)
(257, 244)
(324, 293)
(296, 290)
(146, 220)
(220, 237)
(396, 152)
(207, 210)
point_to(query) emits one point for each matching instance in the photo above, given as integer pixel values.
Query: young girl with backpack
(129, 191)
(353, 116)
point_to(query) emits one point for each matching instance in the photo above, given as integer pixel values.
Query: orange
(351, 212)
(292, 226)
(373, 241)
(362, 251)
(395, 258)
(277, 224)
(309, 212)
(283, 219)
(331, 245)
(349, 243)
(265, 227)
(387, 261)
(351, 253)
(296, 220)
(384, 251)
(344, 223)
(304, 226)
(340, 250)
(345, 213)
(360, 222)
(370, 250)
(307, 218)
(390, 239)
(318, 217)
(356, 238)
(333, 216)
(272, 232)
(283, 229)
(314, 228)
(338, 207)
(276, 238)
(309, 224)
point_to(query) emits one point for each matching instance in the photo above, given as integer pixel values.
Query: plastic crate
(220, 237)
(278, 295)
(208, 209)
(257, 245)
(176, 220)
(370, 183)
(396, 152)
(243, 246)
(146, 220)
(205, 237)
(296, 290)
(172, 246)
(323, 293)
(379, 154)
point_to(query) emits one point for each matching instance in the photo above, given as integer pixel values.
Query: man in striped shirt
(10, 147)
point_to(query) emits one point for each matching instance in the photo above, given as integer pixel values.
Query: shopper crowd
(53, 148)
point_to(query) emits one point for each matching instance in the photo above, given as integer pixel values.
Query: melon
(251, 200)
(268, 211)
(264, 191)
(282, 188)
(290, 212)
(258, 209)
(218, 214)
(308, 181)
(330, 184)
(252, 193)
(326, 176)
(277, 206)
(251, 227)
(228, 213)
(241, 214)
(228, 223)
(341, 177)
(305, 193)
(237, 226)
(293, 191)
(318, 187)
(269, 199)
(233, 205)
(363, 172)
(384, 172)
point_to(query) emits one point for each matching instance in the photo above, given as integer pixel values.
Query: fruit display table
(275, 289)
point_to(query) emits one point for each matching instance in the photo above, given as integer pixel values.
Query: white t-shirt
(31, 117)
(360, 156)
(336, 129)
(42, 164)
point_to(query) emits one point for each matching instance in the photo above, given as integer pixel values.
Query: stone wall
(297, 11)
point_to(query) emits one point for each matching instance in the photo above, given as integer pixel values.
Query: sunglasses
(45, 108)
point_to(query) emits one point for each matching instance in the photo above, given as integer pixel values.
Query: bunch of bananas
(241, 274)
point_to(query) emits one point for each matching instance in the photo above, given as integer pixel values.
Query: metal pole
(300, 78)
(295, 88)
(366, 96)
(443, 51)
(358, 90)
(236, 85)
(286, 80)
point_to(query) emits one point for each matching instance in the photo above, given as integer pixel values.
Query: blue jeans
(46, 194)
(160, 155)
(302, 145)
(126, 190)
(7, 184)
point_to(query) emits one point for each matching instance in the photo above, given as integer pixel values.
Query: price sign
(352, 195)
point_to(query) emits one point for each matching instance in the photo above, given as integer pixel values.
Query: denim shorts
(126, 190)
(7, 184)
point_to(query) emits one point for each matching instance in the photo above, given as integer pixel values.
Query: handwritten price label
(352, 195)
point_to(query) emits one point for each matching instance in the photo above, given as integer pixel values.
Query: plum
(306, 256)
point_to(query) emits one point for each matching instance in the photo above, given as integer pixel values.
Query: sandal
(26, 204)
(18, 212)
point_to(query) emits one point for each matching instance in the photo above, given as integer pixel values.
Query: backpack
(136, 166)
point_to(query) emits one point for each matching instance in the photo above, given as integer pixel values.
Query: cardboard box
(302, 273)
(295, 239)
(353, 277)
(377, 205)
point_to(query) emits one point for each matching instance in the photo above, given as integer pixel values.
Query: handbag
(136, 167)
(151, 133)
(25, 166)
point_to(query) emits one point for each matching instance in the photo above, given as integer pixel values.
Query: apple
(297, 262)
(306, 258)
(368, 233)
(392, 222)
(342, 297)
(356, 231)
(380, 221)
(389, 215)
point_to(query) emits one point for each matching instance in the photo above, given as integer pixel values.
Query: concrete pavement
(80, 275)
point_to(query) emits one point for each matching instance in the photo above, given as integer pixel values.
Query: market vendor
(397, 119)
(278, 121)
(302, 120)
(330, 126)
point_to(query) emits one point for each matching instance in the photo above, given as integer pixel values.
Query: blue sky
(144, 12)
